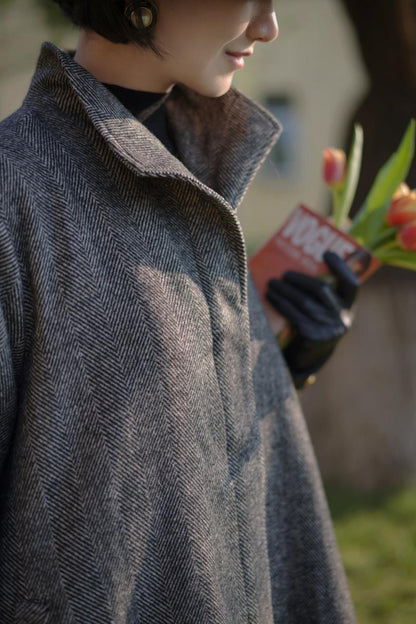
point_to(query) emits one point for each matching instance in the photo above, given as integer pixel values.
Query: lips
(237, 58)
(239, 54)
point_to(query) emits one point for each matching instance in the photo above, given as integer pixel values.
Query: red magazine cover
(298, 245)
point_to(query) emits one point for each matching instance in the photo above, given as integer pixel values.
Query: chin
(213, 89)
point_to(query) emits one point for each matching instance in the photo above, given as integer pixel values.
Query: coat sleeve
(11, 338)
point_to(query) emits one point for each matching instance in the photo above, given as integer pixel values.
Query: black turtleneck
(136, 101)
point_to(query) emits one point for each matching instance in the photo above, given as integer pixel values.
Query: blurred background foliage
(50, 11)
(376, 534)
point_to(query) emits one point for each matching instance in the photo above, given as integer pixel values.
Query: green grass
(376, 534)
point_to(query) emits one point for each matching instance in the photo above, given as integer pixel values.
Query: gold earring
(147, 17)
(141, 14)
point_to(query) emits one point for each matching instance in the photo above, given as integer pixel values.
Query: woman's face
(195, 36)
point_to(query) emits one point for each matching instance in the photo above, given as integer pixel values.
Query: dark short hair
(106, 17)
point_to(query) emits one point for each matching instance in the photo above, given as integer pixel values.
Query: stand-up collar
(222, 141)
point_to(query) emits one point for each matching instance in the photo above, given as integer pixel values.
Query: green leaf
(371, 226)
(387, 181)
(387, 236)
(398, 257)
(353, 174)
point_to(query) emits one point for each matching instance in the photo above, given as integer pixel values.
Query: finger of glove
(315, 325)
(304, 302)
(315, 287)
(287, 309)
(348, 283)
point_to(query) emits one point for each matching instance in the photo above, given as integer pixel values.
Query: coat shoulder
(24, 137)
(13, 136)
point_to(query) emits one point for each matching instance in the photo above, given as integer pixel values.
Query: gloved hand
(319, 313)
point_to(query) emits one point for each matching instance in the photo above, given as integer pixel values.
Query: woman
(155, 464)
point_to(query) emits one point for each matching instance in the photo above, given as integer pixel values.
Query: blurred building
(310, 77)
(328, 69)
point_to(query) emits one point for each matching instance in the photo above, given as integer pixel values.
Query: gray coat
(155, 465)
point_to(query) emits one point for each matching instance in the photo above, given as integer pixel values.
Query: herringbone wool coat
(155, 465)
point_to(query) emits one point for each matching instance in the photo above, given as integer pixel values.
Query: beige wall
(315, 58)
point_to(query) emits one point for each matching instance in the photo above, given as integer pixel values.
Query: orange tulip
(403, 207)
(401, 191)
(407, 236)
(334, 167)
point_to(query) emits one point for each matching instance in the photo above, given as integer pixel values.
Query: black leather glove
(320, 313)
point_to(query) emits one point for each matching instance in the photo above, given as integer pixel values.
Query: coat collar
(222, 141)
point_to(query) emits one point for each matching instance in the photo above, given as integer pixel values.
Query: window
(283, 160)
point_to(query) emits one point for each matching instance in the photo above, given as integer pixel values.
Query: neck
(112, 63)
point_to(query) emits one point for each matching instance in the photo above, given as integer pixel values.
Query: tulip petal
(407, 236)
(334, 166)
(402, 209)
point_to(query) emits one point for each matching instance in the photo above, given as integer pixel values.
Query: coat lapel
(222, 141)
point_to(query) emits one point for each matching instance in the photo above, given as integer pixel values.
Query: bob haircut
(106, 17)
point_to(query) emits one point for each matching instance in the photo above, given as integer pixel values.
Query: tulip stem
(337, 207)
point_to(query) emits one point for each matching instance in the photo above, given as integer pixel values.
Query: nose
(263, 27)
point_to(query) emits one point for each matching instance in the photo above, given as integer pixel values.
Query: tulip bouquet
(386, 222)
(382, 232)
